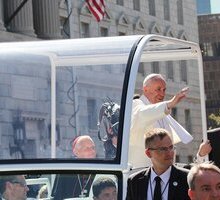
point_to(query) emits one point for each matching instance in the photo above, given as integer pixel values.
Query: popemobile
(59, 96)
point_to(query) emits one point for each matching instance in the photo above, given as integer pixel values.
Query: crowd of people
(151, 122)
(161, 181)
(164, 181)
(14, 187)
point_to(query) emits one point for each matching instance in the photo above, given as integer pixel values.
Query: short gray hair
(206, 166)
(151, 77)
(4, 179)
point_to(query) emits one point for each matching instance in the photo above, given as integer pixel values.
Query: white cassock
(146, 116)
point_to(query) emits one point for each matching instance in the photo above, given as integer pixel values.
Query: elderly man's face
(207, 186)
(85, 149)
(155, 91)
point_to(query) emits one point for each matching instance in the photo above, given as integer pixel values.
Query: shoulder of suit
(139, 173)
(181, 169)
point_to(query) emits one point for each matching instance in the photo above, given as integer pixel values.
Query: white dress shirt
(164, 184)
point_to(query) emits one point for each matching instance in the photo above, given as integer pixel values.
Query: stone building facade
(209, 39)
(62, 19)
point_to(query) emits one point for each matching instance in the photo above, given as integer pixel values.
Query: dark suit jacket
(178, 187)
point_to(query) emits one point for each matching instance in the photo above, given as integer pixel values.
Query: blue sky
(215, 6)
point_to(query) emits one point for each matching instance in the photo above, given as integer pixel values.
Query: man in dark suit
(162, 180)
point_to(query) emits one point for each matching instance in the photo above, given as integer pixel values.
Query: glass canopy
(54, 92)
(66, 109)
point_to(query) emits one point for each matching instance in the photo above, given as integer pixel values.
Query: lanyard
(151, 191)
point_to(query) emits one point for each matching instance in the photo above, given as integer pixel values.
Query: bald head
(84, 147)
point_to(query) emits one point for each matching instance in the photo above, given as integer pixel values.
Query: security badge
(175, 183)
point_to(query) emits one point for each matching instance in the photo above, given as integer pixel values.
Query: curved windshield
(62, 99)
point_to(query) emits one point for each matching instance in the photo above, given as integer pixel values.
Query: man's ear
(191, 194)
(144, 88)
(148, 153)
(75, 152)
(9, 185)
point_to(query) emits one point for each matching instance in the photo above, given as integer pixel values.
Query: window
(121, 33)
(177, 158)
(179, 11)
(120, 2)
(108, 68)
(152, 10)
(123, 68)
(206, 49)
(92, 114)
(190, 159)
(210, 49)
(216, 48)
(188, 120)
(84, 30)
(103, 32)
(155, 67)
(136, 4)
(170, 70)
(30, 147)
(141, 69)
(166, 7)
(183, 71)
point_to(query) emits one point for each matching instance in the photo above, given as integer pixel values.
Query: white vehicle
(53, 91)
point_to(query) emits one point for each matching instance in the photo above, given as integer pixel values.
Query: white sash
(179, 134)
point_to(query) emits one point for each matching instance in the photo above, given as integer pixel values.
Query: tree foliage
(215, 118)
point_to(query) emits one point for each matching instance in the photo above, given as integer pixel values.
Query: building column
(23, 21)
(46, 19)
